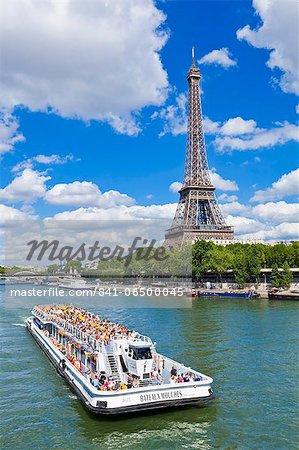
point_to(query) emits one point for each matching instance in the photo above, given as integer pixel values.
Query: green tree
(275, 277)
(199, 257)
(219, 260)
(254, 259)
(113, 267)
(286, 276)
(248, 260)
(240, 269)
(278, 254)
(52, 268)
(73, 264)
(293, 254)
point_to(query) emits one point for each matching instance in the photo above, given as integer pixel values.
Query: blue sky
(131, 138)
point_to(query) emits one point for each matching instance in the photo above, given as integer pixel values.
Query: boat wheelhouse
(111, 368)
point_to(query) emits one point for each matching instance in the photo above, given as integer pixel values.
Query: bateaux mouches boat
(112, 369)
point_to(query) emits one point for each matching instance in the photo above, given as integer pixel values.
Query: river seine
(249, 347)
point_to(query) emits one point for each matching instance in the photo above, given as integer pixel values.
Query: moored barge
(248, 294)
(112, 369)
(283, 295)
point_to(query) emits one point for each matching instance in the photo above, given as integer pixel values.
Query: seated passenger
(136, 383)
(130, 380)
(154, 373)
(110, 385)
(95, 380)
(180, 378)
(172, 379)
(116, 386)
(102, 379)
(186, 377)
(159, 377)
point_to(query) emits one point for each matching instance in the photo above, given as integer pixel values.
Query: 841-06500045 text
(98, 291)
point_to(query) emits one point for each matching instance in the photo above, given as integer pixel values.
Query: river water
(249, 347)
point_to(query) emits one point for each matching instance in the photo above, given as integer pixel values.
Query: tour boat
(76, 284)
(112, 369)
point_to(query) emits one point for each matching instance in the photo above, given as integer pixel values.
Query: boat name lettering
(160, 396)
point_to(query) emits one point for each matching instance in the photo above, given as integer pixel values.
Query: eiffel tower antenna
(193, 57)
(198, 215)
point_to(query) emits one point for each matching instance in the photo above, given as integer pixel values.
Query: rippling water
(249, 347)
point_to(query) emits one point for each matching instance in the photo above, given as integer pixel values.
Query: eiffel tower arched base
(175, 237)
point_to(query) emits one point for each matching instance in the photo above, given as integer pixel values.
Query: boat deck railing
(181, 368)
(79, 334)
(142, 338)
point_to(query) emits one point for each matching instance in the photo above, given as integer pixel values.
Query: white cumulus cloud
(278, 34)
(42, 159)
(122, 212)
(27, 187)
(175, 186)
(277, 212)
(281, 232)
(85, 193)
(9, 132)
(288, 184)
(238, 126)
(244, 225)
(227, 198)
(89, 60)
(221, 57)
(221, 183)
(217, 180)
(233, 134)
(262, 138)
(174, 117)
(235, 207)
(9, 214)
(266, 221)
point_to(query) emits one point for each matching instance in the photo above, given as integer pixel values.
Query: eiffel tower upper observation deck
(198, 215)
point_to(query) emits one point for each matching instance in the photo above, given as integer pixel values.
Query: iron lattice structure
(198, 215)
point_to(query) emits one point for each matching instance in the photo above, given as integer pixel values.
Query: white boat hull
(124, 401)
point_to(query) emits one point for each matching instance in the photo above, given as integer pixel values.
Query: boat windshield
(140, 352)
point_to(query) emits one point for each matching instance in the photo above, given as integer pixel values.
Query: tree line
(246, 261)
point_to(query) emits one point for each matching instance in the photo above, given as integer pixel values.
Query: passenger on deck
(180, 378)
(173, 372)
(88, 375)
(95, 380)
(186, 377)
(102, 379)
(136, 383)
(130, 380)
(159, 378)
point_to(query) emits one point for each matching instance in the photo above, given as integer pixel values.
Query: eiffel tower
(198, 215)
